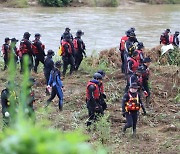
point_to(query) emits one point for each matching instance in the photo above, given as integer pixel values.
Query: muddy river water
(102, 27)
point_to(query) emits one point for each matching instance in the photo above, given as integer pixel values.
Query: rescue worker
(92, 99)
(140, 47)
(138, 78)
(122, 50)
(9, 104)
(145, 79)
(79, 49)
(101, 89)
(67, 55)
(131, 104)
(130, 44)
(55, 85)
(14, 49)
(164, 38)
(174, 39)
(48, 65)
(26, 49)
(6, 52)
(38, 49)
(132, 63)
(66, 32)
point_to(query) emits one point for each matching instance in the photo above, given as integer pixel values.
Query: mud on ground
(158, 132)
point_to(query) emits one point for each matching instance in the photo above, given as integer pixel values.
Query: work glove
(104, 96)
(6, 114)
(145, 93)
(49, 88)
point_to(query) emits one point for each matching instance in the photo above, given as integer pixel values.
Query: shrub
(58, 3)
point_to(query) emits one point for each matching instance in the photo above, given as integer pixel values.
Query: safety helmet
(79, 33)
(101, 72)
(146, 60)
(14, 40)
(58, 64)
(167, 30)
(67, 29)
(50, 53)
(140, 45)
(132, 29)
(132, 34)
(128, 32)
(27, 34)
(37, 35)
(134, 85)
(97, 76)
(176, 33)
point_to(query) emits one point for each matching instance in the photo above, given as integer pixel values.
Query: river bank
(80, 3)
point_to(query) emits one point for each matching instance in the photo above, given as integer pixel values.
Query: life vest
(171, 39)
(135, 64)
(122, 42)
(95, 93)
(63, 50)
(101, 87)
(34, 48)
(23, 47)
(139, 57)
(75, 43)
(3, 49)
(163, 39)
(132, 104)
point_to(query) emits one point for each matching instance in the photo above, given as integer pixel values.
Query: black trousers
(122, 60)
(38, 58)
(6, 60)
(30, 62)
(78, 60)
(66, 61)
(131, 120)
(94, 111)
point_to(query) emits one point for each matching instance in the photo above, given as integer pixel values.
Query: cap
(168, 30)
(97, 76)
(79, 32)
(7, 39)
(67, 29)
(37, 35)
(50, 53)
(101, 72)
(14, 40)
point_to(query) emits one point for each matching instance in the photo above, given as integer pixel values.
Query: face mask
(133, 90)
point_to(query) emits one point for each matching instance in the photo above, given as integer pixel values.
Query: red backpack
(75, 44)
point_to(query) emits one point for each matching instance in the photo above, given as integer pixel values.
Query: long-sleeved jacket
(55, 78)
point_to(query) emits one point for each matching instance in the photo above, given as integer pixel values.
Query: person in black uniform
(67, 54)
(66, 32)
(164, 38)
(176, 39)
(26, 49)
(131, 104)
(38, 49)
(48, 65)
(6, 52)
(79, 48)
(92, 99)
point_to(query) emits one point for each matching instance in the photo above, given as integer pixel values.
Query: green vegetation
(17, 3)
(160, 1)
(106, 3)
(24, 137)
(57, 3)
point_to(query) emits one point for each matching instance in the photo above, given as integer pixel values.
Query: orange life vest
(23, 47)
(122, 42)
(133, 103)
(34, 48)
(69, 48)
(135, 64)
(95, 93)
(139, 57)
(101, 87)
(171, 38)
